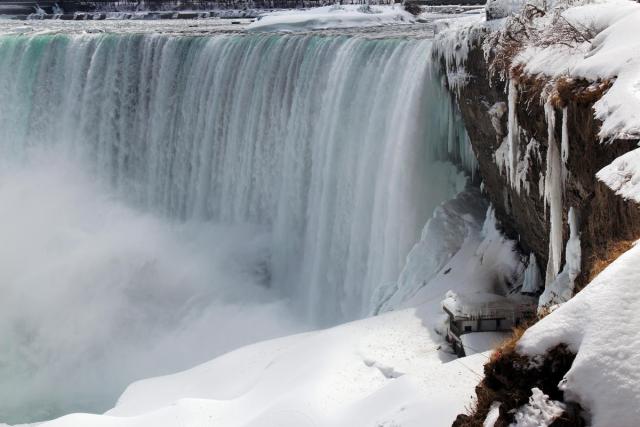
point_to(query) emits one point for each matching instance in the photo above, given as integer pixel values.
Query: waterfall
(334, 143)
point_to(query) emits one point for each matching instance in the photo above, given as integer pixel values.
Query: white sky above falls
(165, 199)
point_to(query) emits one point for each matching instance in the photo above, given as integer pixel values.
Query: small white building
(484, 312)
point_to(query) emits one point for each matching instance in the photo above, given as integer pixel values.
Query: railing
(454, 329)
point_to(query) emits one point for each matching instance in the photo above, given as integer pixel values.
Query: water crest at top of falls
(332, 143)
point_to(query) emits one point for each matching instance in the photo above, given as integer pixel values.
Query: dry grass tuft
(508, 346)
(579, 91)
(560, 92)
(477, 413)
(612, 251)
(486, 392)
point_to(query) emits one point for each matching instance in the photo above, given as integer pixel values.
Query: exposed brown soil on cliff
(610, 253)
(509, 378)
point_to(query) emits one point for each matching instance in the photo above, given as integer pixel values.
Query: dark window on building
(467, 328)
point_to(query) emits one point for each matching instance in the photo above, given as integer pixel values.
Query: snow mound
(336, 16)
(385, 370)
(600, 325)
(623, 175)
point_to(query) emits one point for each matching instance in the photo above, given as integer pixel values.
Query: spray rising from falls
(326, 152)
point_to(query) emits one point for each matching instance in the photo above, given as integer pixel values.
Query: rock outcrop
(605, 218)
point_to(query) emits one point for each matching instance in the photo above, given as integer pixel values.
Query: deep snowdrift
(336, 16)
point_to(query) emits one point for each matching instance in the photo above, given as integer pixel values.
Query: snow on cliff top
(623, 175)
(336, 16)
(600, 324)
(614, 53)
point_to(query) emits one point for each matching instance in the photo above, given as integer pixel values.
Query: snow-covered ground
(383, 371)
(336, 16)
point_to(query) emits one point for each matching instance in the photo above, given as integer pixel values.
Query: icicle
(565, 145)
(507, 155)
(561, 288)
(496, 112)
(513, 135)
(553, 196)
(573, 251)
(533, 149)
(532, 278)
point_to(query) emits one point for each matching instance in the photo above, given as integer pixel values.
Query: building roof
(480, 305)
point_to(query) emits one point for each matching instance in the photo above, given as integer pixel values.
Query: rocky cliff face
(605, 219)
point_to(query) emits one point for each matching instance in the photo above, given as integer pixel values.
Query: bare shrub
(525, 29)
(613, 251)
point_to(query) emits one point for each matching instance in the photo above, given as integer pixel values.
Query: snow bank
(611, 54)
(600, 324)
(336, 16)
(385, 370)
(623, 175)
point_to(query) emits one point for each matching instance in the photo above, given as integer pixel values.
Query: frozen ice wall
(167, 172)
